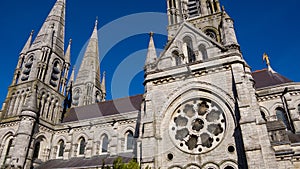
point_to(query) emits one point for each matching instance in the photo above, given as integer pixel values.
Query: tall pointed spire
(151, 55)
(53, 29)
(28, 43)
(89, 70)
(68, 52)
(88, 76)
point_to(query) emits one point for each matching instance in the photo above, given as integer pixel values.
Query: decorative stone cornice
(268, 97)
(193, 74)
(275, 96)
(46, 129)
(9, 124)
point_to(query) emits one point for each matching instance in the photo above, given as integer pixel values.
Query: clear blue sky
(262, 26)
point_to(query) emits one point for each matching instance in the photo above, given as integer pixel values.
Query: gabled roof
(197, 32)
(102, 109)
(266, 78)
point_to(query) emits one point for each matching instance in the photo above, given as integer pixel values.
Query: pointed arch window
(98, 97)
(76, 96)
(203, 52)
(211, 33)
(27, 69)
(81, 148)
(8, 148)
(55, 74)
(129, 140)
(61, 148)
(104, 144)
(36, 152)
(189, 47)
(282, 116)
(263, 115)
(216, 6)
(177, 58)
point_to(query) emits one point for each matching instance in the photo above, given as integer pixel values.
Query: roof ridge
(121, 98)
(257, 71)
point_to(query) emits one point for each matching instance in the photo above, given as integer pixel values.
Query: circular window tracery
(211, 34)
(197, 126)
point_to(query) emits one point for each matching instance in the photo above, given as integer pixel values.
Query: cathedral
(202, 106)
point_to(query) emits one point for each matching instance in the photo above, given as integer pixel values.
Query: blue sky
(261, 26)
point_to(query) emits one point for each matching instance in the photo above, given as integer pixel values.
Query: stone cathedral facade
(202, 108)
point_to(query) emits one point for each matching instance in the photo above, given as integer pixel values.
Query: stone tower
(37, 91)
(87, 88)
(200, 108)
(42, 60)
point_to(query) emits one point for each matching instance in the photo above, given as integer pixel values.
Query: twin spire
(89, 71)
(52, 37)
(88, 77)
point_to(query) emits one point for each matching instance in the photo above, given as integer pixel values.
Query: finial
(223, 8)
(96, 22)
(151, 34)
(70, 41)
(32, 32)
(34, 86)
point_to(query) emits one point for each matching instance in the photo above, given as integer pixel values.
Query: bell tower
(37, 91)
(42, 60)
(205, 15)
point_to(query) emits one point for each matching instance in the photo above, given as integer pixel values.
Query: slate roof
(81, 162)
(265, 78)
(102, 109)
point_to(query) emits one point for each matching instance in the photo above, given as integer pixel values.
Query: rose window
(197, 126)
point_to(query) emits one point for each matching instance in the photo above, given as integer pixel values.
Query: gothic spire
(52, 33)
(28, 43)
(68, 52)
(89, 71)
(151, 55)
